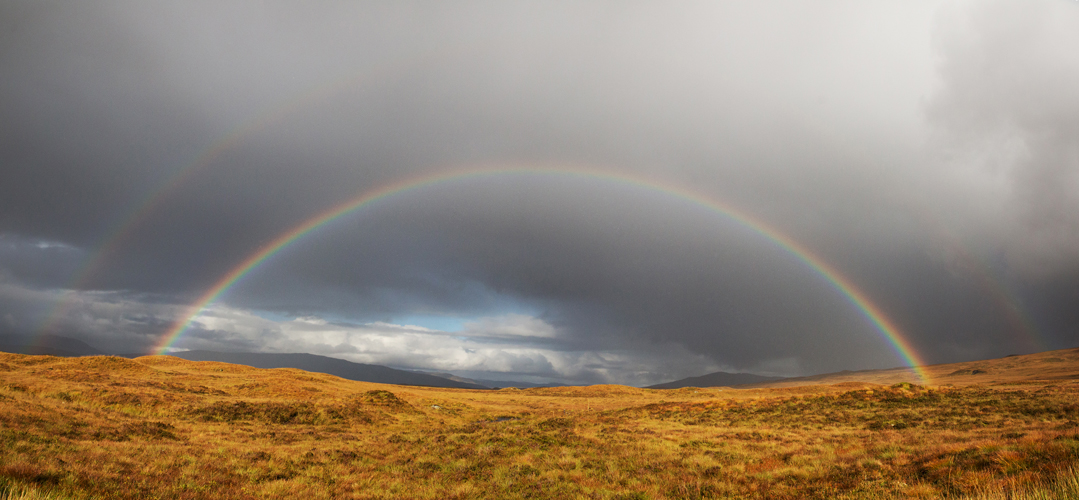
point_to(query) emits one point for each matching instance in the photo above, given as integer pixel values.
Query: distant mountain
(52, 345)
(452, 377)
(493, 384)
(323, 364)
(502, 384)
(717, 379)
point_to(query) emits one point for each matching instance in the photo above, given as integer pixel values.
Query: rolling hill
(51, 345)
(323, 364)
(717, 379)
(1050, 365)
(1045, 366)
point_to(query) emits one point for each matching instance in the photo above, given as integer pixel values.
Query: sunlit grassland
(161, 427)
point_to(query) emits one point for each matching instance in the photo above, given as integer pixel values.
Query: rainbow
(890, 332)
(150, 204)
(1007, 301)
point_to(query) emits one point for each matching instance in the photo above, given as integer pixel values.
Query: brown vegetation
(1040, 367)
(162, 427)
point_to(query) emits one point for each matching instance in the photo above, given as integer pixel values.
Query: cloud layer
(929, 151)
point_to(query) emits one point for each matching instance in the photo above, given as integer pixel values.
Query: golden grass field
(162, 427)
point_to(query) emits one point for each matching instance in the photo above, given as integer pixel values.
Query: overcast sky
(927, 151)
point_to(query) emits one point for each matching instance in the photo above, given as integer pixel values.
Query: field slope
(164, 427)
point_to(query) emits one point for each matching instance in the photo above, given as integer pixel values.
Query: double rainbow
(888, 330)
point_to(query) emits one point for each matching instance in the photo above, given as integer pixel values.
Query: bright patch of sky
(433, 322)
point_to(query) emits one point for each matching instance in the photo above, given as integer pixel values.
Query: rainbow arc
(886, 327)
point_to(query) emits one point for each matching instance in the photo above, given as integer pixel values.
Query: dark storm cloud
(925, 150)
(38, 262)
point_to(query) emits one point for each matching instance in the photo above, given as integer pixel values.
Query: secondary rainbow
(991, 281)
(149, 205)
(888, 330)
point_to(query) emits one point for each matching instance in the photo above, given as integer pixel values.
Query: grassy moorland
(162, 427)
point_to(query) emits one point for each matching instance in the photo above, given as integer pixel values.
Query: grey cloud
(37, 262)
(475, 351)
(113, 321)
(933, 166)
(1006, 70)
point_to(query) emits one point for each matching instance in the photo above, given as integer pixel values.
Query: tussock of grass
(1065, 486)
(10, 491)
(28, 493)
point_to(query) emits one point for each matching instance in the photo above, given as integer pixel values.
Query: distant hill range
(324, 364)
(1062, 364)
(1050, 365)
(494, 384)
(56, 345)
(49, 345)
(717, 379)
(502, 384)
